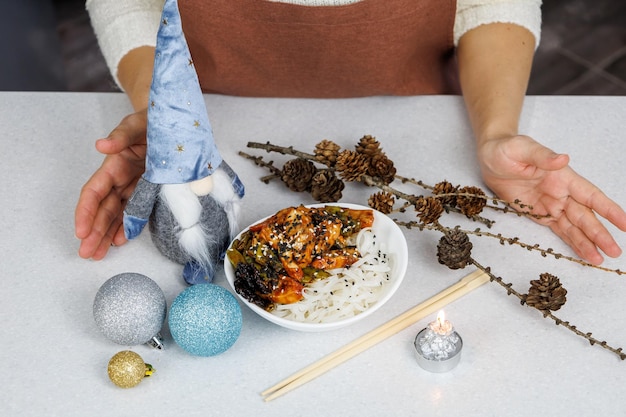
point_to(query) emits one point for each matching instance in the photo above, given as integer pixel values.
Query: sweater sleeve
(473, 13)
(121, 26)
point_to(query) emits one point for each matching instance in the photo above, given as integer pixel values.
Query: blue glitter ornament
(205, 320)
(130, 309)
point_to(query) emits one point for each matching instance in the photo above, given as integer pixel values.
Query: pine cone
(297, 174)
(444, 187)
(326, 187)
(429, 209)
(454, 249)
(351, 165)
(382, 201)
(382, 167)
(326, 152)
(546, 293)
(470, 205)
(368, 145)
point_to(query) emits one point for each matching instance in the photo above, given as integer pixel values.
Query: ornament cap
(156, 342)
(149, 370)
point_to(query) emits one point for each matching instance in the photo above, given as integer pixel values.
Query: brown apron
(269, 49)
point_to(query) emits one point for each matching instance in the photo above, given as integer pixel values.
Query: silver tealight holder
(438, 347)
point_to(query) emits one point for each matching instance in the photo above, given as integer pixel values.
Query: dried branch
(542, 251)
(268, 147)
(258, 160)
(548, 314)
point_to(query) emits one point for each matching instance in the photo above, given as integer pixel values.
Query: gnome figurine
(189, 196)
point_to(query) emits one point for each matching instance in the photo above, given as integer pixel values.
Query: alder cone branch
(546, 293)
(326, 152)
(454, 249)
(326, 187)
(382, 201)
(352, 165)
(368, 145)
(297, 174)
(444, 187)
(382, 167)
(473, 202)
(429, 209)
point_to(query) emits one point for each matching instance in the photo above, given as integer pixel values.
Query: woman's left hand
(520, 168)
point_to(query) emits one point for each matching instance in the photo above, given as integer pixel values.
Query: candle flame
(441, 318)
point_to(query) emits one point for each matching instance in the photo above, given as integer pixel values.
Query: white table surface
(515, 363)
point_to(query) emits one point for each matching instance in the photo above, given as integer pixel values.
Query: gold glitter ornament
(127, 369)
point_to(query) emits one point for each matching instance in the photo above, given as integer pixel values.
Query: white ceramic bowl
(385, 229)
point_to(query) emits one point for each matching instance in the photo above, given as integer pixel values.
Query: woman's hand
(518, 167)
(99, 212)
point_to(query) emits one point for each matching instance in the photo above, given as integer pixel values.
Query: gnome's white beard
(224, 194)
(187, 210)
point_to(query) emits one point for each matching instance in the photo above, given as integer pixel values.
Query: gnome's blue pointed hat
(181, 147)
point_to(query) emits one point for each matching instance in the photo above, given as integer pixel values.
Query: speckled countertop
(514, 363)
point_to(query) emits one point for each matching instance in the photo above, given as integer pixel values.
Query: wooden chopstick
(404, 320)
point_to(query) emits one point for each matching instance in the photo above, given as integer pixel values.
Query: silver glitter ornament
(130, 309)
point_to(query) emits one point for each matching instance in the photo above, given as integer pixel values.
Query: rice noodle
(347, 291)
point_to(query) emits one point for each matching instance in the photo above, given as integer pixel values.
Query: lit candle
(441, 326)
(438, 346)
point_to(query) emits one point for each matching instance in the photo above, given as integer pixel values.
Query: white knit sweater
(124, 25)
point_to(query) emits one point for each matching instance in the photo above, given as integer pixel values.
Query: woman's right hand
(99, 212)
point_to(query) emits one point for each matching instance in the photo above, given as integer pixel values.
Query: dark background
(49, 45)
